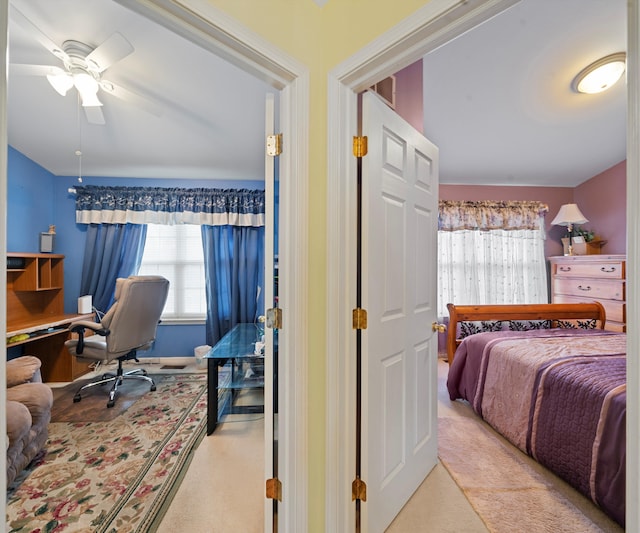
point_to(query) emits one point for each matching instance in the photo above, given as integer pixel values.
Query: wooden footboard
(555, 313)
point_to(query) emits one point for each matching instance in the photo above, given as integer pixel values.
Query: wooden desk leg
(212, 395)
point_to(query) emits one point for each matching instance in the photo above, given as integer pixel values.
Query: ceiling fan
(83, 69)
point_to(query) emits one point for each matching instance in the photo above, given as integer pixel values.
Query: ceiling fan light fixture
(60, 82)
(90, 100)
(87, 86)
(601, 74)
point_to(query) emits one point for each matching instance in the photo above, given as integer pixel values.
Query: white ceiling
(497, 100)
(212, 114)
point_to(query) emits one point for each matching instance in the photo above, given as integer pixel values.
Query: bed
(553, 382)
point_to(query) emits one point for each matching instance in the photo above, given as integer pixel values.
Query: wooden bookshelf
(35, 314)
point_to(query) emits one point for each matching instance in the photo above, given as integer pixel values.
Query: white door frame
(4, 12)
(199, 21)
(436, 23)
(633, 262)
(215, 31)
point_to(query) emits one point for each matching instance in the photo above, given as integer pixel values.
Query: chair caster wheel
(111, 403)
(153, 387)
(77, 398)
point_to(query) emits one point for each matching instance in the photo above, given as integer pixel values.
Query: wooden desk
(46, 341)
(35, 307)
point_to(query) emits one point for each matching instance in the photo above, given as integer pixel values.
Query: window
(175, 252)
(491, 267)
(491, 253)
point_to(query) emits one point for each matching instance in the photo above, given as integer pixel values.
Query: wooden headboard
(555, 313)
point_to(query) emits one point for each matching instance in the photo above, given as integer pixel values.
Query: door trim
(433, 25)
(214, 30)
(633, 260)
(4, 142)
(399, 48)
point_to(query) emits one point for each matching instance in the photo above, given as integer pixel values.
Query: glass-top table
(237, 348)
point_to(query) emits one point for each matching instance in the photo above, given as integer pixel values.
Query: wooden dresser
(580, 278)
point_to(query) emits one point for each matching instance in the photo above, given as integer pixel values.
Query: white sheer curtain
(499, 260)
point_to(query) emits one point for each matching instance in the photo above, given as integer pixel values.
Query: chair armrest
(79, 327)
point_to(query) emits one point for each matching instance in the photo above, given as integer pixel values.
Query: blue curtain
(234, 272)
(111, 251)
(232, 223)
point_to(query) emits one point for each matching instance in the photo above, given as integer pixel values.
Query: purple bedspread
(560, 396)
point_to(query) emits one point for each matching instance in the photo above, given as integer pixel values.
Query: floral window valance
(485, 216)
(157, 205)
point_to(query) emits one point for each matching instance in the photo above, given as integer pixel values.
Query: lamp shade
(568, 215)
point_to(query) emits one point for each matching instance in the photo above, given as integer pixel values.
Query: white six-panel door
(400, 211)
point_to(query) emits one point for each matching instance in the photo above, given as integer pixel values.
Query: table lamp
(569, 215)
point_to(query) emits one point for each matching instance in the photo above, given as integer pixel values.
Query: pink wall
(554, 197)
(409, 95)
(603, 201)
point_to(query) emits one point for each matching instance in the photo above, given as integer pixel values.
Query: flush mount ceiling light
(600, 75)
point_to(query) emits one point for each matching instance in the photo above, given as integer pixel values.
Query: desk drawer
(590, 288)
(608, 269)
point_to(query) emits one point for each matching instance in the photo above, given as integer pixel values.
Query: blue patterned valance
(157, 205)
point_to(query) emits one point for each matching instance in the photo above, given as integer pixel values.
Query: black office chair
(129, 325)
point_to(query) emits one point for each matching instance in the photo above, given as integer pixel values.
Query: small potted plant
(587, 234)
(584, 242)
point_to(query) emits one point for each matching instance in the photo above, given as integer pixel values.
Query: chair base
(117, 379)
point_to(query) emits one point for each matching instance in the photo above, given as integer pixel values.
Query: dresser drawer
(590, 288)
(615, 311)
(609, 270)
(615, 326)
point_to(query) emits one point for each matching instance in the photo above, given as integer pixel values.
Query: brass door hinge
(274, 489)
(274, 144)
(358, 490)
(360, 146)
(274, 318)
(359, 318)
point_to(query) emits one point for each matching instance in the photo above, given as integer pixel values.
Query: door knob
(440, 328)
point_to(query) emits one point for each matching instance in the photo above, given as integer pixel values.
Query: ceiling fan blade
(35, 70)
(110, 51)
(154, 104)
(94, 115)
(37, 33)
(148, 103)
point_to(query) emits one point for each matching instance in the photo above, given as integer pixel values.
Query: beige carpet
(223, 490)
(510, 492)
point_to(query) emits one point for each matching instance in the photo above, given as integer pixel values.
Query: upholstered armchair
(29, 403)
(128, 326)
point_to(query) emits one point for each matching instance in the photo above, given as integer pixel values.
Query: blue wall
(37, 198)
(30, 209)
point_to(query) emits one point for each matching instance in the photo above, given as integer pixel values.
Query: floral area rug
(117, 475)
